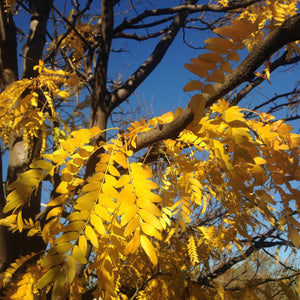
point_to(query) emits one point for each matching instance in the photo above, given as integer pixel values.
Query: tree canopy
(196, 203)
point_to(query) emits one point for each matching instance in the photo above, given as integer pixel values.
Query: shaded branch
(252, 249)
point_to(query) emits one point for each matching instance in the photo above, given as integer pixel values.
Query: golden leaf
(91, 235)
(78, 255)
(132, 226)
(63, 247)
(233, 56)
(151, 219)
(193, 85)
(149, 249)
(48, 277)
(98, 225)
(196, 69)
(133, 245)
(71, 268)
(150, 230)
(82, 244)
(149, 206)
(216, 76)
(129, 214)
(294, 236)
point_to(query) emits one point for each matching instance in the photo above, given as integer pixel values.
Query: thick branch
(288, 32)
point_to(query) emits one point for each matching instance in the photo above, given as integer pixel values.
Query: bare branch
(252, 249)
(137, 37)
(187, 7)
(149, 65)
(281, 61)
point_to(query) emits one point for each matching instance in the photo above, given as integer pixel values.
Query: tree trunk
(21, 156)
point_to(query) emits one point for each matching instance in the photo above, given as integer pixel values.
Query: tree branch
(282, 61)
(149, 65)
(138, 37)
(286, 33)
(187, 7)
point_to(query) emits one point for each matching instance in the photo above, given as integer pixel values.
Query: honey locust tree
(158, 208)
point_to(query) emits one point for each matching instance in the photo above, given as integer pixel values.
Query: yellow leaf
(91, 235)
(74, 226)
(67, 237)
(225, 43)
(132, 226)
(228, 31)
(62, 188)
(54, 212)
(211, 57)
(20, 221)
(294, 236)
(193, 85)
(133, 245)
(107, 201)
(217, 48)
(82, 243)
(150, 230)
(123, 180)
(52, 260)
(78, 216)
(78, 255)
(66, 177)
(196, 69)
(98, 225)
(101, 211)
(151, 219)
(48, 277)
(41, 164)
(58, 286)
(113, 171)
(87, 201)
(209, 89)
(129, 214)
(233, 56)
(149, 206)
(233, 114)
(226, 67)
(126, 198)
(84, 153)
(71, 268)
(216, 76)
(121, 159)
(110, 192)
(206, 65)
(149, 249)
(63, 247)
(73, 169)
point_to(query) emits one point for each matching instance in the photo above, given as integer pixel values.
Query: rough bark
(19, 156)
(8, 74)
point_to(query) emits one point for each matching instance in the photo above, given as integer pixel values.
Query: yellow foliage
(148, 226)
